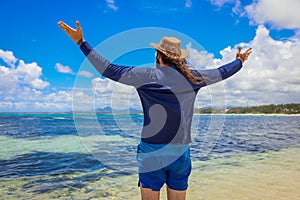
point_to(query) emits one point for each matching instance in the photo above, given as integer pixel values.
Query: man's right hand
(75, 35)
(243, 56)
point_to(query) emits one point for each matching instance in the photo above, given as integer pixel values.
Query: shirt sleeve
(124, 74)
(212, 76)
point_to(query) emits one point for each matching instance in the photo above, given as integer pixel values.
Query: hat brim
(184, 53)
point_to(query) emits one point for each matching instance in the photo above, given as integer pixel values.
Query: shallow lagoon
(42, 157)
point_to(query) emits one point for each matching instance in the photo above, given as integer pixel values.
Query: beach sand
(265, 176)
(271, 176)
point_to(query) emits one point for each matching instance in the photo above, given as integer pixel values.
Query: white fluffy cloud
(114, 94)
(20, 73)
(237, 9)
(271, 75)
(280, 14)
(8, 57)
(63, 69)
(27, 99)
(23, 89)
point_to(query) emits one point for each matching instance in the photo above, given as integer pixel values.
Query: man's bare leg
(176, 194)
(148, 194)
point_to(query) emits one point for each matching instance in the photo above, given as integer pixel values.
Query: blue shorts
(160, 164)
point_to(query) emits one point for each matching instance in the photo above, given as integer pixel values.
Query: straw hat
(170, 46)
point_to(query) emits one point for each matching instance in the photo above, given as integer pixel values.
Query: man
(167, 93)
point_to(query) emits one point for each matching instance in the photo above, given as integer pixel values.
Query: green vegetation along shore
(263, 109)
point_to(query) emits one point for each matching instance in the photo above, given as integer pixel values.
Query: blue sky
(39, 64)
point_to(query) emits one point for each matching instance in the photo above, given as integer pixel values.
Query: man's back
(168, 104)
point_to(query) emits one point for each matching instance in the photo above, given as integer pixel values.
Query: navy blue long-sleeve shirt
(167, 97)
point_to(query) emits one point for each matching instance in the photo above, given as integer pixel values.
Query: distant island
(292, 108)
(109, 109)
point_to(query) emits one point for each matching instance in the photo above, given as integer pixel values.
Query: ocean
(93, 156)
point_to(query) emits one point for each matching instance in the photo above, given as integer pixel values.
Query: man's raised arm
(212, 76)
(118, 73)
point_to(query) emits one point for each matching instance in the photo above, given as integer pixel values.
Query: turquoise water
(44, 155)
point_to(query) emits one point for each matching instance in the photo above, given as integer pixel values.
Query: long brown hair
(181, 64)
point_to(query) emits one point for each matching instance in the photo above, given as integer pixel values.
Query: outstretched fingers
(65, 27)
(239, 50)
(248, 51)
(238, 54)
(78, 25)
(62, 25)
